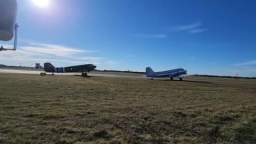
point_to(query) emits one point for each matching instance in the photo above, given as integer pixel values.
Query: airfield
(125, 108)
(92, 74)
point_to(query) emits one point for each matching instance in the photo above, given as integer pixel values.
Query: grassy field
(97, 110)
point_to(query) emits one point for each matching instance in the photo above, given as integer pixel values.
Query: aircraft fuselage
(48, 67)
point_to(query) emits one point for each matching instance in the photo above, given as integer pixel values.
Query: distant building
(38, 66)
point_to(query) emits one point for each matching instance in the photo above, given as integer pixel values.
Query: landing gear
(42, 74)
(84, 74)
(171, 78)
(180, 79)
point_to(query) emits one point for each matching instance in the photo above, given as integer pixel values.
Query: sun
(41, 3)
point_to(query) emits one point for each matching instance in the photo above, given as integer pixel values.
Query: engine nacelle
(8, 13)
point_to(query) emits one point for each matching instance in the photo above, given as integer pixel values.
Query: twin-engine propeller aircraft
(84, 69)
(8, 26)
(179, 73)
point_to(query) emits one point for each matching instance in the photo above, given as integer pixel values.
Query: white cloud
(198, 30)
(247, 68)
(31, 53)
(193, 28)
(248, 63)
(188, 26)
(245, 71)
(157, 36)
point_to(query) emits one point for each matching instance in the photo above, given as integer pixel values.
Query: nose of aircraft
(93, 66)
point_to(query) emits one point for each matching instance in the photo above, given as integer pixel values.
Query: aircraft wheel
(171, 78)
(181, 79)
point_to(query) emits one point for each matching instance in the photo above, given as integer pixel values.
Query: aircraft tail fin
(48, 67)
(149, 71)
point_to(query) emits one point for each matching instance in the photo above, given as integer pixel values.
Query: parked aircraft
(170, 73)
(84, 69)
(8, 26)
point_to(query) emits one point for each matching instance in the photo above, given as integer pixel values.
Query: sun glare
(41, 3)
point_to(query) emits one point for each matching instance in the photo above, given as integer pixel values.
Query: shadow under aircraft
(83, 69)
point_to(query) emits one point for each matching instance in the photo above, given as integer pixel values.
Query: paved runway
(19, 71)
(100, 74)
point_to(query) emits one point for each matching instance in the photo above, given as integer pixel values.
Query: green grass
(70, 109)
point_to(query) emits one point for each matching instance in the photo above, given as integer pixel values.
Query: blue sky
(202, 36)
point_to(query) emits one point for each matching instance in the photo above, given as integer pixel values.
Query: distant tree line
(235, 77)
(118, 71)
